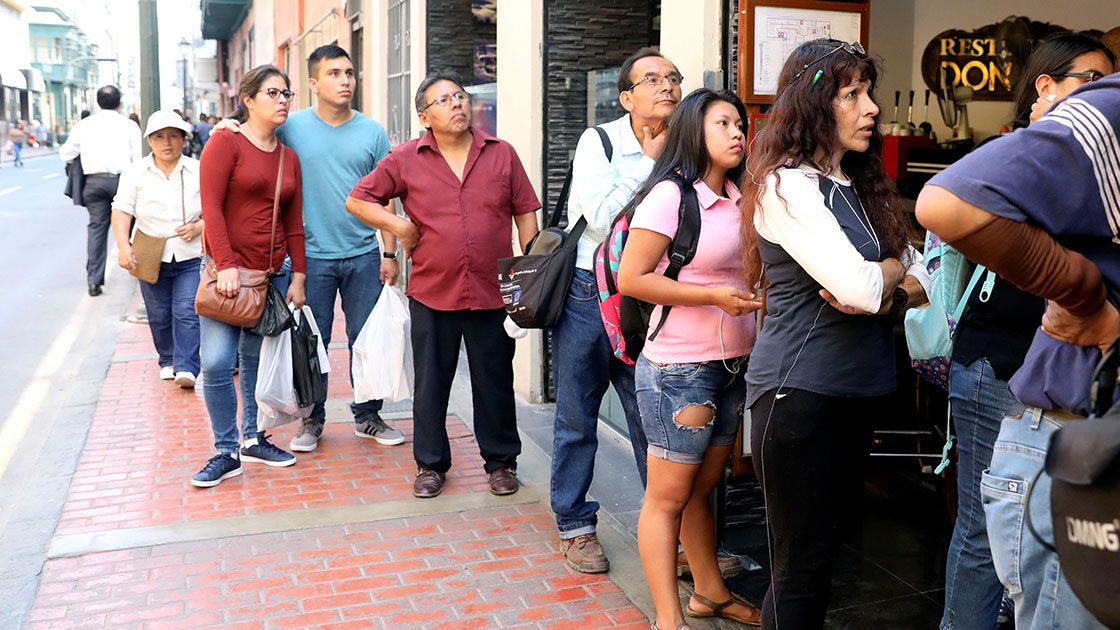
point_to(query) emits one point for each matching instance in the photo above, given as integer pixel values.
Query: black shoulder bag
(1083, 463)
(534, 286)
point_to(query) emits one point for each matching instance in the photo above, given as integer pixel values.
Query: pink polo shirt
(694, 333)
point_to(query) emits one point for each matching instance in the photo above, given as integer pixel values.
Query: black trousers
(811, 453)
(98, 198)
(436, 336)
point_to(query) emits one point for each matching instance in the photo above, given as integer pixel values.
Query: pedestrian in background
(460, 187)
(823, 232)
(107, 144)
(18, 137)
(239, 179)
(689, 378)
(160, 193)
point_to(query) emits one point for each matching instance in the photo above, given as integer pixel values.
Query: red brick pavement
(484, 568)
(477, 569)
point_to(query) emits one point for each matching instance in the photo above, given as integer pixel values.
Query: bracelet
(389, 255)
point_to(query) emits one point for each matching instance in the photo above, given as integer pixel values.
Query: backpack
(535, 286)
(625, 318)
(931, 329)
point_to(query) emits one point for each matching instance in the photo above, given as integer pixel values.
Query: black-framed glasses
(445, 100)
(655, 80)
(853, 48)
(1089, 75)
(275, 93)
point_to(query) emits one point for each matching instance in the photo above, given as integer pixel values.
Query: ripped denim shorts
(664, 390)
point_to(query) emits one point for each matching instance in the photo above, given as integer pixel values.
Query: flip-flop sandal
(683, 626)
(717, 610)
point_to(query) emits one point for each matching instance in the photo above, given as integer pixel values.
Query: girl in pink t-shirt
(689, 378)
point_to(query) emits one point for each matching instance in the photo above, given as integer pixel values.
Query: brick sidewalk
(496, 566)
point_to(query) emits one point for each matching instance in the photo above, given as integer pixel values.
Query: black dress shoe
(94, 290)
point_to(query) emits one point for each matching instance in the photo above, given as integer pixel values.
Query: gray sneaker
(307, 439)
(376, 429)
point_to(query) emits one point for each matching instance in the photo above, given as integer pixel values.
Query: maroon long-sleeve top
(237, 188)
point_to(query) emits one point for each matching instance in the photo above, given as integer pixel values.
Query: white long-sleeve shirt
(601, 188)
(808, 231)
(106, 141)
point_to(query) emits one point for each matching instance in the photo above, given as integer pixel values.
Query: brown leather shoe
(503, 481)
(428, 484)
(585, 554)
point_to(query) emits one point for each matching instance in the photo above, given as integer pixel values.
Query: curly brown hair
(801, 127)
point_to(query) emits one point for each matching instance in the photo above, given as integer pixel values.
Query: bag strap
(963, 303)
(276, 204)
(683, 247)
(183, 193)
(561, 207)
(1104, 381)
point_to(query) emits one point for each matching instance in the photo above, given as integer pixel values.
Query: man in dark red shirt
(460, 187)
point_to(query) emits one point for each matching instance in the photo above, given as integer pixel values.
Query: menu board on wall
(778, 30)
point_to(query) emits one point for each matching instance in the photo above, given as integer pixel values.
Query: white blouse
(162, 203)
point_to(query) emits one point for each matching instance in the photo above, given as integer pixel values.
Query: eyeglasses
(445, 100)
(655, 80)
(275, 93)
(854, 48)
(1089, 76)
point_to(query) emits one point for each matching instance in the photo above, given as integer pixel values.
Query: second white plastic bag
(276, 391)
(382, 368)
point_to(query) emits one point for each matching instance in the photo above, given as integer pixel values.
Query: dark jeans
(97, 196)
(358, 281)
(980, 401)
(811, 453)
(171, 316)
(584, 367)
(224, 346)
(436, 337)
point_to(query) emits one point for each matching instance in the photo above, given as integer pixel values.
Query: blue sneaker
(261, 451)
(219, 468)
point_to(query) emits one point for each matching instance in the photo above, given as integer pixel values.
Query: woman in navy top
(825, 240)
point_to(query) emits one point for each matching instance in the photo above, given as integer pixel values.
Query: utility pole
(149, 62)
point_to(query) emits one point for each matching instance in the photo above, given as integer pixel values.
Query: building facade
(61, 52)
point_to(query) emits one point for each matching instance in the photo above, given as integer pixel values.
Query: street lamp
(184, 50)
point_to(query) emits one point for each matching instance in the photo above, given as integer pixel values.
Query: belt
(96, 175)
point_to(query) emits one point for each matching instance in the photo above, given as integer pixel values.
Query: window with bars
(399, 124)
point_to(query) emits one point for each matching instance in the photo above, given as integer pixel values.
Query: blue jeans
(584, 367)
(171, 316)
(972, 589)
(224, 345)
(663, 391)
(17, 149)
(1029, 571)
(358, 281)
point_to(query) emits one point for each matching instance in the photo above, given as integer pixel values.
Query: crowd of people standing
(803, 266)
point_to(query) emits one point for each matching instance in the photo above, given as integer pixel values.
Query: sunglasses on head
(853, 48)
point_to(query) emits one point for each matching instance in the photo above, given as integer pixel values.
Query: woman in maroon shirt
(238, 173)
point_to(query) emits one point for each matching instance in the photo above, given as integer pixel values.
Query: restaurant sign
(989, 59)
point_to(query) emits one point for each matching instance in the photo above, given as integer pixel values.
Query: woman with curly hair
(827, 245)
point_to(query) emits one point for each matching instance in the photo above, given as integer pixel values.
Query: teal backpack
(931, 329)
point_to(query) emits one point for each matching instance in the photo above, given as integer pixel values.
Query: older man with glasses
(460, 187)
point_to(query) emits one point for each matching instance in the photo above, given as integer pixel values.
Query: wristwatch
(389, 255)
(899, 299)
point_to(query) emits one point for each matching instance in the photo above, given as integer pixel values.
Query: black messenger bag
(534, 286)
(1083, 462)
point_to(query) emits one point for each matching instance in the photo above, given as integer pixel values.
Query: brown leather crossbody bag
(245, 309)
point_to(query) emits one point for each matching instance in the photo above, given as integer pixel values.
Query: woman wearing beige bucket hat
(161, 193)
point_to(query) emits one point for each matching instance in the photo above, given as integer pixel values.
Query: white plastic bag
(275, 391)
(382, 367)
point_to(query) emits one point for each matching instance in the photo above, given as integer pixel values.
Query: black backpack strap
(683, 247)
(1104, 381)
(561, 207)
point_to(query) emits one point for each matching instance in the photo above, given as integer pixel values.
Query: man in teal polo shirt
(337, 146)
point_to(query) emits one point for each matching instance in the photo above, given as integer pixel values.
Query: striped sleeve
(1062, 173)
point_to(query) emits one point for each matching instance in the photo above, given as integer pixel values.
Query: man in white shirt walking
(107, 143)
